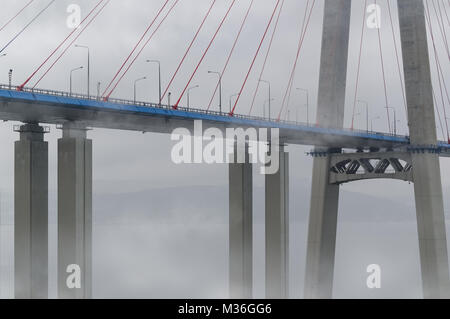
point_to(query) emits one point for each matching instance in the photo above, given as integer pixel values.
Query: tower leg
(321, 233)
(277, 230)
(330, 113)
(31, 214)
(426, 168)
(241, 230)
(74, 214)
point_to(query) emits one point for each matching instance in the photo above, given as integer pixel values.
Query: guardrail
(192, 110)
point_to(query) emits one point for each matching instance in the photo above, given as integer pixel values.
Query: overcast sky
(136, 163)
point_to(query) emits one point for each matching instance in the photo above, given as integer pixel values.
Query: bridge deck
(53, 107)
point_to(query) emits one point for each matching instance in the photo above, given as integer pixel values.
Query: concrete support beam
(321, 232)
(330, 113)
(74, 213)
(277, 230)
(241, 230)
(31, 214)
(426, 168)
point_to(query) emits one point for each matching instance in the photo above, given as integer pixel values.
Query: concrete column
(241, 230)
(31, 213)
(330, 113)
(321, 232)
(426, 169)
(74, 214)
(277, 230)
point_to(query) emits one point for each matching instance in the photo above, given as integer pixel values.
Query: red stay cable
(72, 42)
(445, 12)
(266, 57)
(135, 47)
(436, 57)
(440, 22)
(189, 48)
(204, 54)
(20, 88)
(359, 64)
(231, 53)
(300, 46)
(383, 72)
(20, 11)
(254, 59)
(143, 47)
(439, 113)
(402, 84)
(291, 80)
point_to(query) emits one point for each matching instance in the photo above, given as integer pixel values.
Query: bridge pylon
(426, 167)
(321, 239)
(240, 226)
(417, 163)
(74, 213)
(31, 213)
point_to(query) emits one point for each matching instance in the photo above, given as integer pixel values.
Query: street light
(188, 95)
(135, 82)
(159, 76)
(268, 83)
(367, 112)
(4, 54)
(98, 90)
(264, 107)
(168, 99)
(220, 88)
(71, 71)
(395, 118)
(307, 103)
(10, 73)
(448, 135)
(231, 98)
(88, 66)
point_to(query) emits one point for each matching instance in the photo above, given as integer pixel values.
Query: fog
(160, 229)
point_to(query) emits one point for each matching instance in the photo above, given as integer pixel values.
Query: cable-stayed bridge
(340, 155)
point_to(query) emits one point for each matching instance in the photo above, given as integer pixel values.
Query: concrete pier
(31, 214)
(426, 168)
(330, 113)
(241, 230)
(74, 213)
(277, 230)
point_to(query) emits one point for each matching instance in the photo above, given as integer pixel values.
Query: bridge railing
(185, 109)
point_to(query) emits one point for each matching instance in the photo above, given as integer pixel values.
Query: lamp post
(268, 83)
(307, 103)
(98, 90)
(264, 107)
(88, 67)
(448, 134)
(159, 77)
(231, 98)
(220, 88)
(135, 82)
(71, 72)
(367, 113)
(188, 95)
(10, 73)
(168, 99)
(395, 119)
